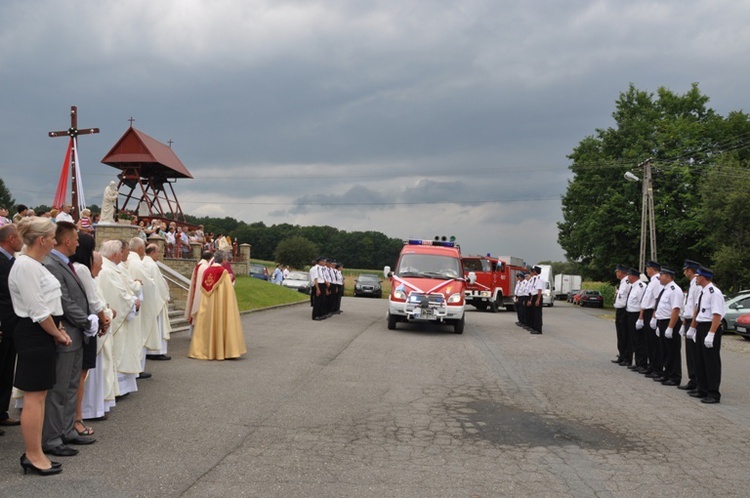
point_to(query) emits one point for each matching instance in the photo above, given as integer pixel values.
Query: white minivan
(548, 294)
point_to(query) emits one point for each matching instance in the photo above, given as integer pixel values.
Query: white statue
(108, 203)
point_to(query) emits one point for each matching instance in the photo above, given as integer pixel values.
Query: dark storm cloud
(362, 113)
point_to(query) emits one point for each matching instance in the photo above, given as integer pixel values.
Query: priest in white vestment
(156, 344)
(121, 293)
(152, 302)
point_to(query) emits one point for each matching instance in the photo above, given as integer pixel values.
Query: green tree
(295, 251)
(726, 210)
(602, 213)
(6, 199)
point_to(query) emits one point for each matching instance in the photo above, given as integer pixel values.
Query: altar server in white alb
(98, 395)
(156, 344)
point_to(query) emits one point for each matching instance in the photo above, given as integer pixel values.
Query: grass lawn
(253, 293)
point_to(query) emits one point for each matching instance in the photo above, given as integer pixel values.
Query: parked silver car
(736, 306)
(298, 280)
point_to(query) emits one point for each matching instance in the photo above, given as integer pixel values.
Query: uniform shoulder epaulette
(672, 287)
(640, 284)
(711, 290)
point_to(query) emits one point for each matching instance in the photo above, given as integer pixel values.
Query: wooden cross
(170, 142)
(131, 121)
(73, 132)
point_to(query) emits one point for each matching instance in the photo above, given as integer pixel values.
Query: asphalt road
(345, 407)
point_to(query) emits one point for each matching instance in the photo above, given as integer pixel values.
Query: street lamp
(647, 211)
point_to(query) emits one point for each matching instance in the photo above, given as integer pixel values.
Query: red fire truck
(495, 281)
(428, 284)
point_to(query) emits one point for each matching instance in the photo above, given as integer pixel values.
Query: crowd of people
(327, 282)
(654, 317)
(77, 326)
(528, 299)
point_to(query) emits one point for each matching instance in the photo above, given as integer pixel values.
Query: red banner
(62, 184)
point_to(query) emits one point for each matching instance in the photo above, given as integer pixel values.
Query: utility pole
(647, 214)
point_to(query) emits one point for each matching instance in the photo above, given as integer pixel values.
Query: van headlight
(399, 294)
(455, 298)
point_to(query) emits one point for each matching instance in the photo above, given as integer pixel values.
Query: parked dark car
(258, 271)
(592, 298)
(298, 280)
(742, 326)
(368, 285)
(572, 294)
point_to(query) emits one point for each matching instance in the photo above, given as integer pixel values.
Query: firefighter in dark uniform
(621, 316)
(667, 315)
(689, 268)
(706, 331)
(518, 299)
(633, 309)
(536, 301)
(653, 352)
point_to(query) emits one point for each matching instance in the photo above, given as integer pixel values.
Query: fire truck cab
(495, 281)
(428, 284)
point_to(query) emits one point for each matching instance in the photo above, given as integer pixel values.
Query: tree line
(701, 182)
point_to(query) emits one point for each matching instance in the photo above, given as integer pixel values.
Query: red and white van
(427, 284)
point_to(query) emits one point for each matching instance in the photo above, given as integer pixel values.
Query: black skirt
(89, 354)
(37, 355)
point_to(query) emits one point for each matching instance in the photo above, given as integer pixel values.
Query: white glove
(683, 330)
(652, 323)
(94, 327)
(656, 331)
(709, 341)
(691, 334)
(639, 324)
(668, 333)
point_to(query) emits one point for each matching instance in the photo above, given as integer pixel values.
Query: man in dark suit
(10, 243)
(60, 406)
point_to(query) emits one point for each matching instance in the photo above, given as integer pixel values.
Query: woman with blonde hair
(36, 294)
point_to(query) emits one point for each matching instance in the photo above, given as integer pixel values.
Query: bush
(606, 290)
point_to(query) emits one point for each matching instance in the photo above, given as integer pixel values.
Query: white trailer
(564, 284)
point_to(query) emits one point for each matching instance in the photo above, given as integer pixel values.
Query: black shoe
(652, 375)
(692, 391)
(62, 450)
(624, 363)
(118, 398)
(317, 318)
(144, 375)
(687, 387)
(642, 370)
(81, 440)
(158, 357)
(27, 465)
(696, 394)
(710, 401)
(535, 332)
(616, 360)
(670, 383)
(633, 367)
(660, 379)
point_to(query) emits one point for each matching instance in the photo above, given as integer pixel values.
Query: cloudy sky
(414, 118)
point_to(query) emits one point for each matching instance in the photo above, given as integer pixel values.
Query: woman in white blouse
(35, 293)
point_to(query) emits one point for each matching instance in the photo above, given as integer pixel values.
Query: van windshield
(429, 266)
